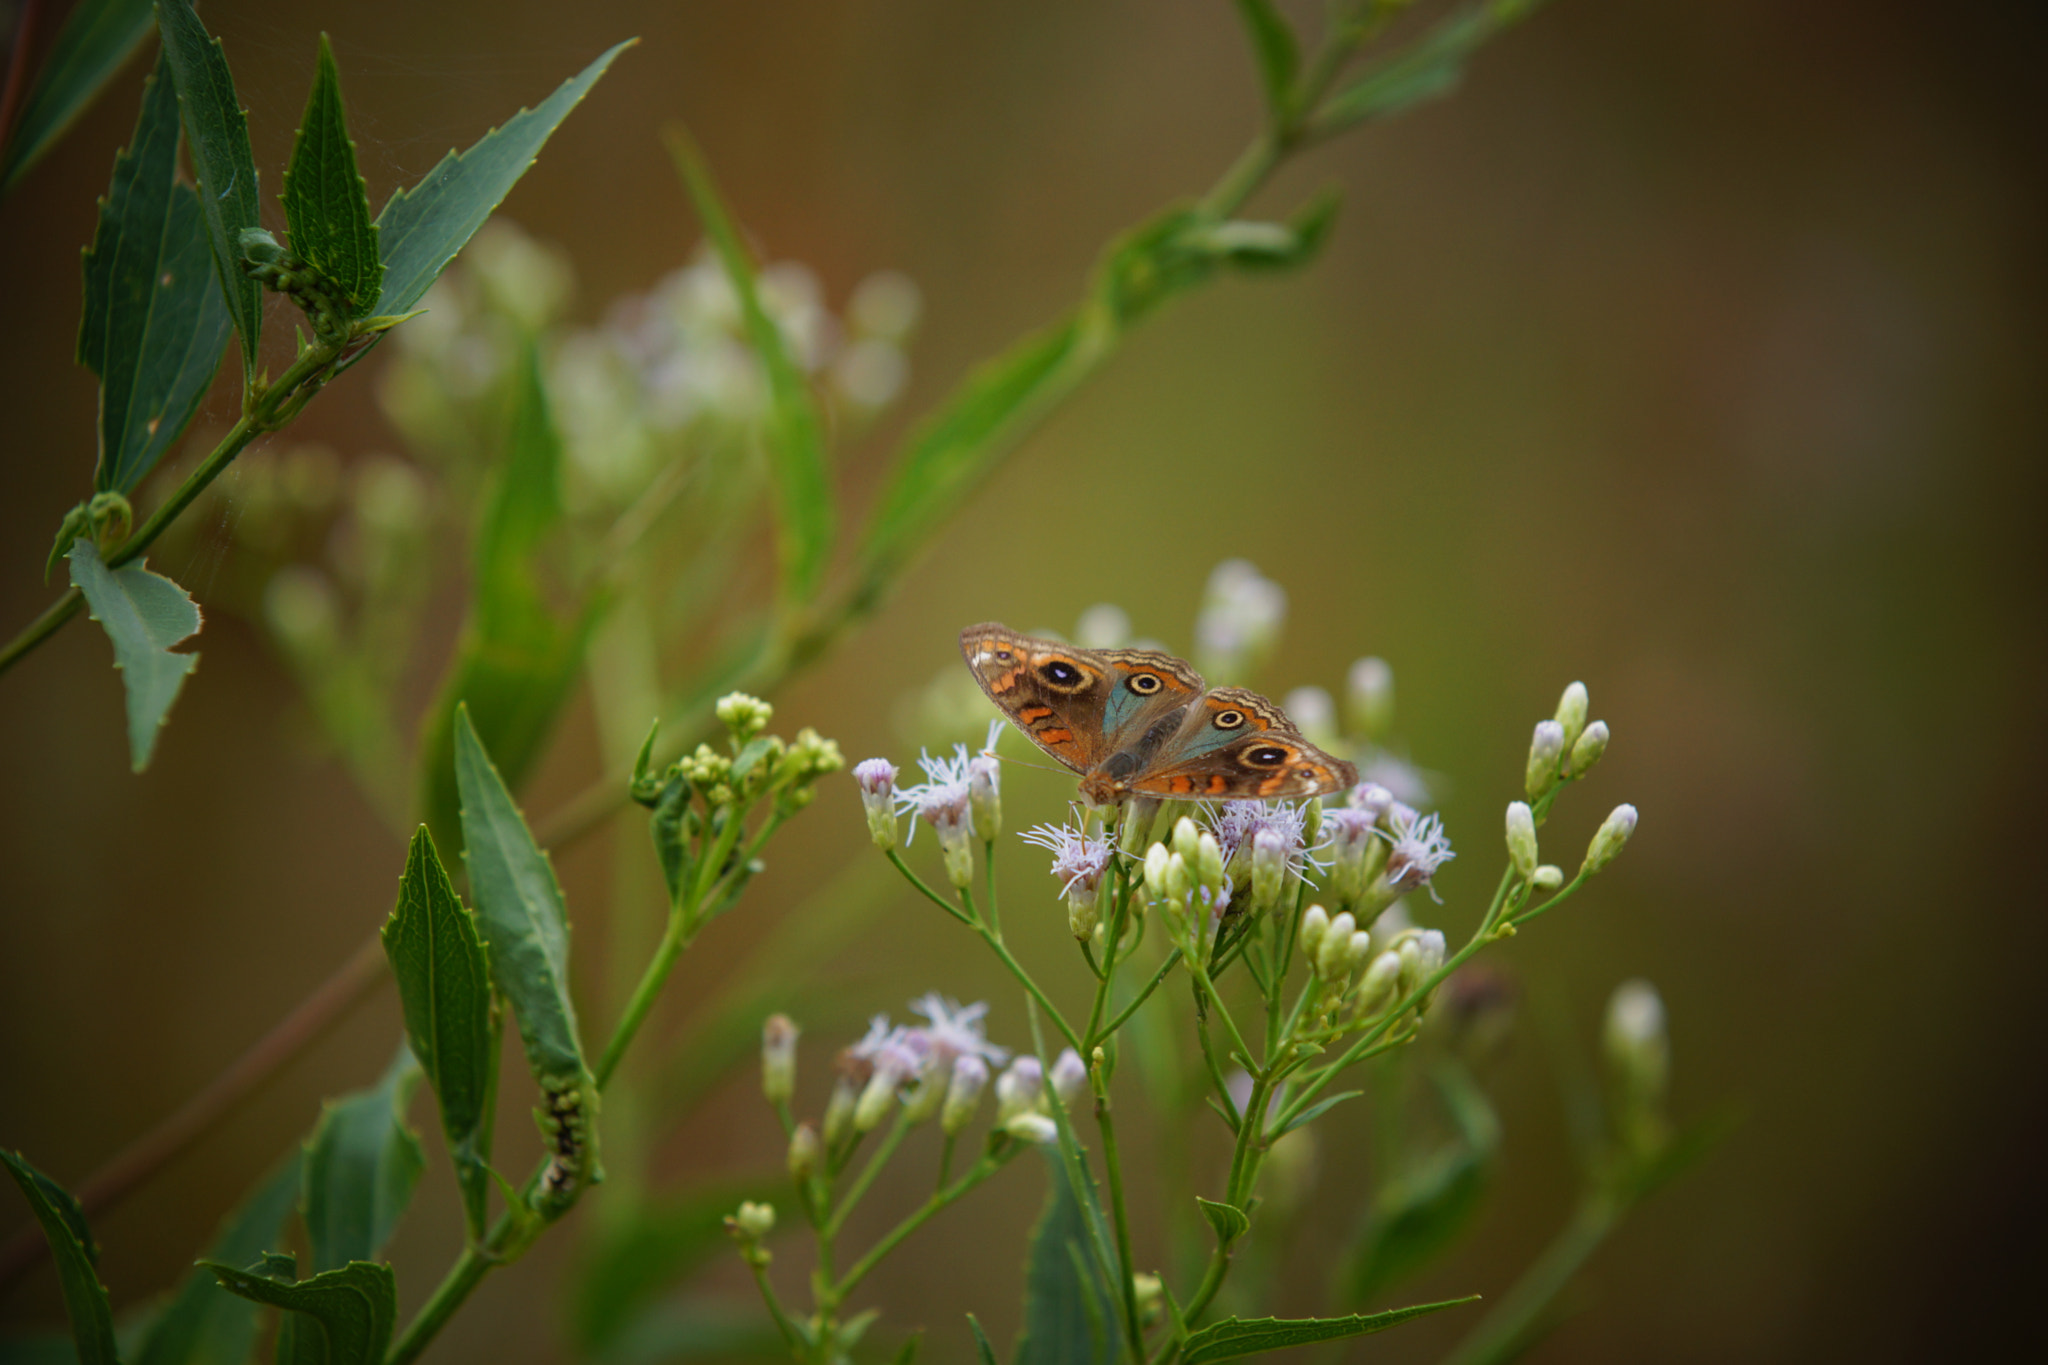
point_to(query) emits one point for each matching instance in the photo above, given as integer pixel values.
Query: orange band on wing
(1054, 736)
(1031, 715)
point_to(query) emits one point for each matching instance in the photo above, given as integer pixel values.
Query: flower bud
(1369, 695)
(1377, 989)
(1571, 713)
(1269, 869)
(1546, 750)
(1430, 943)
(1019, 1088)
(1150, 1292)
(1357, 951)
(877, 779)
(1592, 743)
(956, 844)
(778, 1058)
(985, 794)
(743, 716)
(1315, 925)
(1208, 862)
(1032, 1126)
(1084, 910)
(1522, 838)
(1548, 877)
(1636, 1045)
(839, 1111)
(1180, 881)
(1607, 842)
(1155, 872)
(1330, 953)
(804, 1152)
(1352, 843)
(875, 1100)
(753, 1221)
(1069, 1074)
(1314, 713)
(1187, 839)
(963, 1094)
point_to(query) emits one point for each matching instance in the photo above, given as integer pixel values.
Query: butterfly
(1139, 721)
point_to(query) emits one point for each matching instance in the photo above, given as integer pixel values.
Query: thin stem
(876, 1160)
(674, 940)
(934, 897)
(791, 1336)
(467, 1273)
(1109, 1030)
(1113, 1168)
(980, 1171)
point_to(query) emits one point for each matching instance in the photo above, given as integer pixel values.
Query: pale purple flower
(1238, 824)
(1077, 858)
(1420, 848)
(1018, 1089)
(954, 1031)
(1069, 1074)
(943, 799)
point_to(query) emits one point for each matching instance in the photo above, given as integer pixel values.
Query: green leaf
(71, 1246)
(421, 229)
(796, 434)
(1429, 67)
(95, 43)
(520, 908)
(1425, 1205)
(1318, 1109)
(654, 1246)
(144, 615)
(1236, 1337)
(444, 983)
(361, 1165)
(154, 323)
(516, 662)
(983, 1352)
(325, 200)
(344, 1316)
(1064, 1306)
(1275, 46)
(1227, 1220)
(218, 132)
(204, 1324)
(907, 1353)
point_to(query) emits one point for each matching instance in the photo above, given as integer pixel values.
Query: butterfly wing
(1234, 744)
(1079, 705)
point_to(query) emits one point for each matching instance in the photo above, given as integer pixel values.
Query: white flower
(954, 1030)
(1078, 858)
(1420, 848)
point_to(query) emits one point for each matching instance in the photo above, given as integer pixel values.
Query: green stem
(876, 1160)
(980, 1171)
(1113, 1168)
(1109, 1030)
(934, 897)
(674, 940)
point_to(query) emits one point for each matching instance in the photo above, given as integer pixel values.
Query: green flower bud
(1376, 989)
(1548, 877)
(1187, 839)
(1331, 953)
(1612, 835)
(1571, 713)
(805, 1151)
(1546, 749)
(778, 1058)
(754, 1221)
(1315, 924)
(743, 716)
(1592, 743)
(1369, 697)
(1522, 838)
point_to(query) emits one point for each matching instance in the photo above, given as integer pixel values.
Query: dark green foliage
(325, 200)
(154, 324)
(340, 1317)
(71, 1245)
(1234, 1338)
(98, 38)
(204, 1324)
(361, 1165)
(144, 615)
(437, 955)
(1070, 1310)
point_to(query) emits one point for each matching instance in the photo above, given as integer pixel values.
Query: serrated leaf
(519, 906)
(444, 983)
(646, 1253)
(154, 323)
(1236, 1337)
(361, 1165)
(218, 132)
(421, 229)
(1228, 1221)
(345, 1315)
(71, 1246)
(204, 1324)
(796, 433)
(96, 41)
(144, 614)
(1063, 1305)
(515, 663)
(1429, 67)
(326, 202)
(1275, 47)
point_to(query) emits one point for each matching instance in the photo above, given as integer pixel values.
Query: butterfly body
(1141, 722)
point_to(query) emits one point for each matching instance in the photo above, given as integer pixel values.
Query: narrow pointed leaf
(516, 661)
(1429, 67)
(71, 1246)
(1318, 1109)
(348, 1311)
(1237, 1337)
(325, 200)
(154, 323)
(205, 1324)
(218, 132)
(520, 909)
(1275, 46)
(796, 433)
(95, 43)
(144, 615)
(444, 983)
(983, 1352)
(1062, 1304)
(422, 228)
(361, 1165)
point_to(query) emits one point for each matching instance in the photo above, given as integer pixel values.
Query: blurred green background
(1694, 351)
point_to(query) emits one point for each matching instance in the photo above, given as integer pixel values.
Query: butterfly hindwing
(1139, 720)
